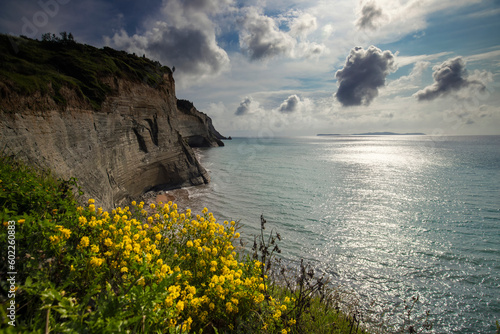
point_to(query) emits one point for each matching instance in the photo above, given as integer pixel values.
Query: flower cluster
(177, 269)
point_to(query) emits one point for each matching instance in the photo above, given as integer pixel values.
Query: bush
(87, 270)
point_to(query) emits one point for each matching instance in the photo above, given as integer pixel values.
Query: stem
(47, 320)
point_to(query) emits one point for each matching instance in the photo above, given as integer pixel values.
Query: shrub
(87, 270)
(143, 269)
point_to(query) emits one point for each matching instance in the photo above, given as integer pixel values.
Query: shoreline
(181, 196)
(178, 196)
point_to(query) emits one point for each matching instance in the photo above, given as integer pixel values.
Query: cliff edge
(106, 117)
(196, 127)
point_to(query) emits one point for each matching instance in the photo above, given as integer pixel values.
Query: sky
(299, 68)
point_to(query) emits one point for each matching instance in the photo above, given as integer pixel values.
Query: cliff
(196, 127)
(119, 135)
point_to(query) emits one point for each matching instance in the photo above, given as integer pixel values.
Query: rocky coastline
(138, 138)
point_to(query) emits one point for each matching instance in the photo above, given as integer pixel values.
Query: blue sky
(286, 68)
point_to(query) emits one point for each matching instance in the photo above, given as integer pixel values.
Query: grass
(30, 66)
(144, 269)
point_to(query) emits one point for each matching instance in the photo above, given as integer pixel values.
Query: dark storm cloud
(363, 74)
(290, 105)
(261, 37)
(184, 36)
(190, 50)
(450, 76)
(206, 5)
(369, 15)
(244, 107)
(87, 21)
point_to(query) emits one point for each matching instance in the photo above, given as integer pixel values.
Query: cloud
(291, 104)
(370, 13)
(261, 37)
(247, 106)
(409, 82)
(363, 74)
(407, 60)
(184, 37)
(450, 76)
(303, 25)
(310, 50)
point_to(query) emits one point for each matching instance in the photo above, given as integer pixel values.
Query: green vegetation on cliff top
(30, 66)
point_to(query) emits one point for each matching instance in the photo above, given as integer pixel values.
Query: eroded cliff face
(196, 127)
(134, 143)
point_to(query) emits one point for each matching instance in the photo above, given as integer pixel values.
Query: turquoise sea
(388, 217)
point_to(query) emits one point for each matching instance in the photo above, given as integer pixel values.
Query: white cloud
(303, 25)
(262, 39)
(369, 16)
(483, 56)
(407, 60)
(395, 19)
(247, 106)
(408, 82)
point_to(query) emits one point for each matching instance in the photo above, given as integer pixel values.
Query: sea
(388, 218)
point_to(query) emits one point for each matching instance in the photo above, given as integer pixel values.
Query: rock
(196, 127)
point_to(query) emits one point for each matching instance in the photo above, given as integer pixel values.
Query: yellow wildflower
(229, 307)
(95, 261)
(84, 242)
(54, 239)
(108, 242)
(180, 306)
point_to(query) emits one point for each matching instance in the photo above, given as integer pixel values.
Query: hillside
(106, 117)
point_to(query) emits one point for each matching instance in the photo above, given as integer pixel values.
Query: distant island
(389, 134)
(375, 134)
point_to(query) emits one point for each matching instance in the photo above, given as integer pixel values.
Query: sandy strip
(178, 196)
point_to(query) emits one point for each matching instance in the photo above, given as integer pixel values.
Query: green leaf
(28, 281)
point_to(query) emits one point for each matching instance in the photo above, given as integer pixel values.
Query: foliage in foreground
(137, 269)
